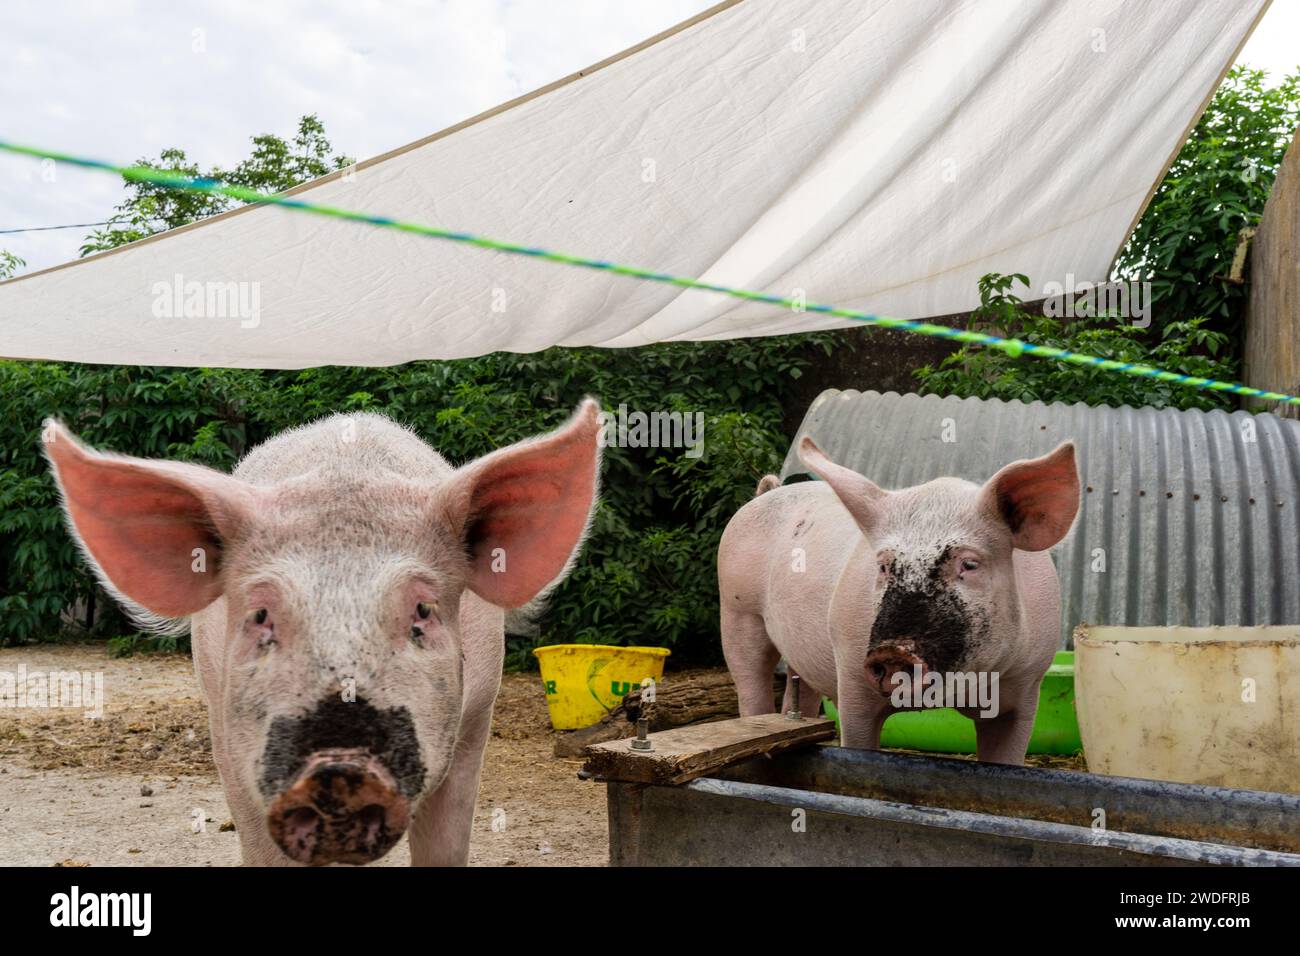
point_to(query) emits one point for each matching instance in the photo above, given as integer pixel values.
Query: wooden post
(1272, 353)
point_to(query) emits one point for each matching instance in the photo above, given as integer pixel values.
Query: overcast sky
(124, 80)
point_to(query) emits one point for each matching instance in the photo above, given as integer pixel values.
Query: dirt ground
(137, 787)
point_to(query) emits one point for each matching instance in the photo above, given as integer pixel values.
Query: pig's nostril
(884, 664)
(298, 833)
(302, 818)
(372, 820)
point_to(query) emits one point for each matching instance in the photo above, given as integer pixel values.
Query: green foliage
(647, 571)
(1217, 186)
(1181, 346)
(152, 208)
(129, 644)
(273, 167)
(186, 414)
(276, 165)
(9, 263)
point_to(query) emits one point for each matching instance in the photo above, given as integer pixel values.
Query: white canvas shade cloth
(878, 155)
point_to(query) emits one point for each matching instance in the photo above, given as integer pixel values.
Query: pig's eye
(261, 618)
(424, 610)
(969, 564)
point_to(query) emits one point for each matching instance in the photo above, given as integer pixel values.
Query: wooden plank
(684, 753)
(685, 699)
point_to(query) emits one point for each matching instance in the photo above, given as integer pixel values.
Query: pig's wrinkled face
(343, 664)
(944, 582)
(944, 596)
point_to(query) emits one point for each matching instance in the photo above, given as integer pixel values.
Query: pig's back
(344, 444)
(781, 558)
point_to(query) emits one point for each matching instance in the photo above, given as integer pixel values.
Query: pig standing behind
(345, 586)
(854, 585)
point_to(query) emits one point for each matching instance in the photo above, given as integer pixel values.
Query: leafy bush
(1188, 347)
(1216, 187)
(179, 413)
(137, 643)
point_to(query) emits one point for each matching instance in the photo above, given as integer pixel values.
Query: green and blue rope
(1013, 347)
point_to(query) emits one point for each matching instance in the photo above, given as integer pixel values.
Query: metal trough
(866, 808)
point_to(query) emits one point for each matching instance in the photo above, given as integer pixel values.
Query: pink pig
(345, 589)
(864, 591)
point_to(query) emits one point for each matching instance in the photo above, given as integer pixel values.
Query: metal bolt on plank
(794, 713)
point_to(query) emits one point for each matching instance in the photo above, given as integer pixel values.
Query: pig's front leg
(1005, 738)
(862, 714)
(441, 825)
(256, 848)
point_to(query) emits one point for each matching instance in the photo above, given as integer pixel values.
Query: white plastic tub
(1211, 705)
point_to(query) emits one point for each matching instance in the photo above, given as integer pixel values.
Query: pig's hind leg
(751, 657)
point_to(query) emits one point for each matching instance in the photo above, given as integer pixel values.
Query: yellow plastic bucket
(584, 682)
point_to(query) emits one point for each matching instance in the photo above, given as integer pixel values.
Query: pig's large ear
(522, 511)
(858, 494)
(1037, 498)
(153, 530)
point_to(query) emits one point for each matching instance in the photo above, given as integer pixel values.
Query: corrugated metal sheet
(1187, 517)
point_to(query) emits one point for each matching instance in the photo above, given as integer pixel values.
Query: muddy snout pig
(345, 589)
(943, 594)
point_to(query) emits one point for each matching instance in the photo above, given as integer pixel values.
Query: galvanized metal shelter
(1187, 517)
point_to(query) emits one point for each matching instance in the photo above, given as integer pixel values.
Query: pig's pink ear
(1037, 498)
(153, 529)
(858, 494)
(523, 510)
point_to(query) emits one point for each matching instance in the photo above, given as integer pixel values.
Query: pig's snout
(344, 807)
(889, 659)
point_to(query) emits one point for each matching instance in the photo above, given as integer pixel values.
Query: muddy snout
(343, 807)
(887, 660)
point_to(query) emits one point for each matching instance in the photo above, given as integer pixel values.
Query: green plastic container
(943, 730)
